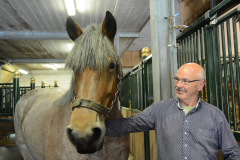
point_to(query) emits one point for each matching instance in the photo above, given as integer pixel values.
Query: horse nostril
(96, 134)
(69, 131)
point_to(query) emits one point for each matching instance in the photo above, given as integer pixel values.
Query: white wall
(126, 70)
(63, 78)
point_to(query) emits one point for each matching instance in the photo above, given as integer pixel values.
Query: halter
(77, 103)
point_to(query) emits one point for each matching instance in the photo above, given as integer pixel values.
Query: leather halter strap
(77, 103)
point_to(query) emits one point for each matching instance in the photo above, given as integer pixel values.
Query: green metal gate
(6, 99)
(212, 42)
(137, 92)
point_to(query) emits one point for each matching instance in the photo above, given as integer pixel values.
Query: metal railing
(11, 92)
(24, 90)
(196, 15)
(137, 93)
(6, 99)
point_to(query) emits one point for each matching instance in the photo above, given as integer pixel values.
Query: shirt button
(185, 132)
(185, 120)
(185, 157)
(185, 145)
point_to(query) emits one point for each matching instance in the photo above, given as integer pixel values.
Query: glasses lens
(176, 80)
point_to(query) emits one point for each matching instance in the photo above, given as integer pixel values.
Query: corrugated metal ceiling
(51, 15)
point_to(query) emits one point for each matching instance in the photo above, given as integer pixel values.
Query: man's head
(189, 81)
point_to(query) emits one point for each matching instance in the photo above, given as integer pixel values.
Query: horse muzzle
(89, 143)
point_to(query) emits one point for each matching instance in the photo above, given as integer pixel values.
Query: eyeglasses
(184, 81)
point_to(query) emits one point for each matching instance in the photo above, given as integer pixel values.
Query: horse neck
(115, 113)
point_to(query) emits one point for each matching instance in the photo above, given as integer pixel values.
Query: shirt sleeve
(139, 122)
(227, 141)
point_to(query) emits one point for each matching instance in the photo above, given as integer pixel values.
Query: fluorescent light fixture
(22, 71)
(83, 6)
(70, 7)
(50, 66)
(59, 65)
(69, 46)
(53, 67)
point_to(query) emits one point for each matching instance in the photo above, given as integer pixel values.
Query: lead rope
(115, 96)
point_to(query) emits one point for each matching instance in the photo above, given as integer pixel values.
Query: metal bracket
(237, 16)
(207, 15)
(174, 45)
(213, 20)
(170, 22)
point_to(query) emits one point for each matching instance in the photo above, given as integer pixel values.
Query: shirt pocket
(203, 133)
(206, 139)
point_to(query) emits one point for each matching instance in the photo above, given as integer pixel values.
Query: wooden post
(43, 84)
(16, 90)
(32, 83)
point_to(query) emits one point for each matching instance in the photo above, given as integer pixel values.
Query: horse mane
(91, 49)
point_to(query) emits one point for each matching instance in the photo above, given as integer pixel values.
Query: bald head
(193, 68)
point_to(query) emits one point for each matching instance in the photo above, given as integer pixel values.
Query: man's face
(188, 91)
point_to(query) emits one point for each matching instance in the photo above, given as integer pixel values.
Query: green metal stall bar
(137, 92)
(10, 94)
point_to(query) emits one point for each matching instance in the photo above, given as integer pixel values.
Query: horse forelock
(91, 49)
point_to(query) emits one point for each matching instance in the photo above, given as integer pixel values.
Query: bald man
(186, 127)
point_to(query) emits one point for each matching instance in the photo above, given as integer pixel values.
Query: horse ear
(109, 26)
(74, 31)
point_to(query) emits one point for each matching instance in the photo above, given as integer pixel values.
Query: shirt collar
(198, 104)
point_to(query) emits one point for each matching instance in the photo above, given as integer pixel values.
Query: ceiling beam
(36, 35)
(128, 35)
(35, 60)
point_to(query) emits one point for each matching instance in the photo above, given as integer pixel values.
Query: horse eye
(112, 65)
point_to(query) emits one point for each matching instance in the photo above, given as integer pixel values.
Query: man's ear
(201, 85)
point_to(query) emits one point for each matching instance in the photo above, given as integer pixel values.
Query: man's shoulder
(165, 103)
(210, 108)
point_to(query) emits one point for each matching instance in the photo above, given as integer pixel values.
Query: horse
(58, 124)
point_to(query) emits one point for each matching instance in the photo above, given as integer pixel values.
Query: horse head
(96, 68)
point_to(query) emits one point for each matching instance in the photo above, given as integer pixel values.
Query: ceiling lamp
(22, 71)
(70, 7)
(53, 66)
(50, 66)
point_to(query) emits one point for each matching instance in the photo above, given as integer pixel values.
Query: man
(186, 127)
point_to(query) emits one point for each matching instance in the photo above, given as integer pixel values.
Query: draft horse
(42, 116)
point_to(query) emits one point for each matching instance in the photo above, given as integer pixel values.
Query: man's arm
(139, 122)
(227, 141)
